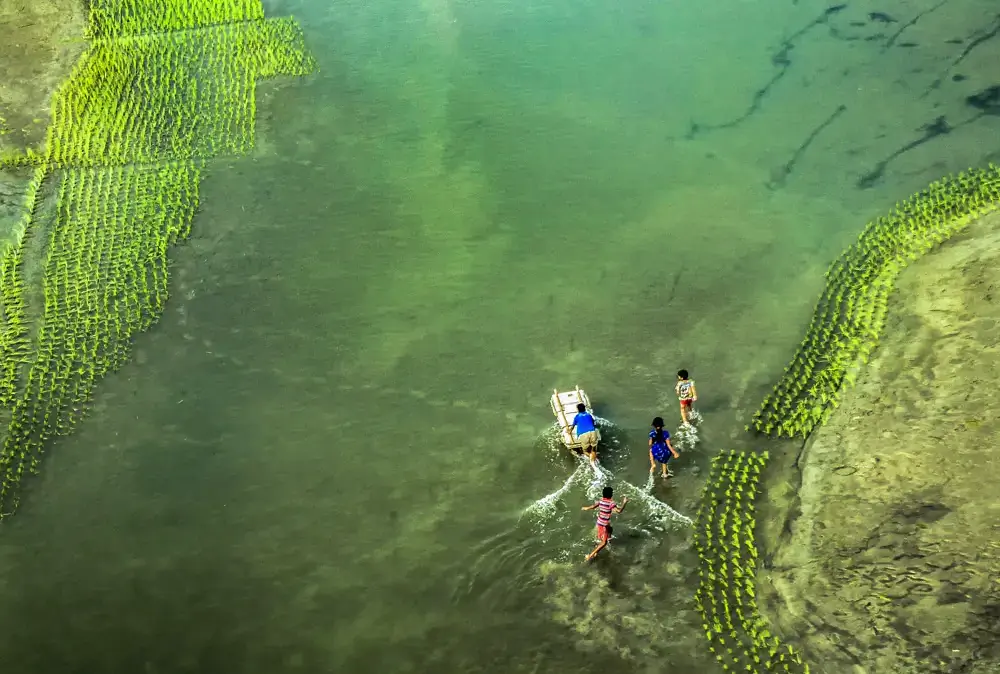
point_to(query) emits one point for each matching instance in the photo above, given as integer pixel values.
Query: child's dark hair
(608, 492)
(683, 374)
(661, 437)
(580, 407)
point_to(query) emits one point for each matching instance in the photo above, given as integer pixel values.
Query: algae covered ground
(324, 454)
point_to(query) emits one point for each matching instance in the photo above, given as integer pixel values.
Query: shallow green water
(320, 459)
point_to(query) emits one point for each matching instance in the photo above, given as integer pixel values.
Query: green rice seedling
(164, 86)
(851, 311)
(725, 595)
(117, 18)
(183, 113)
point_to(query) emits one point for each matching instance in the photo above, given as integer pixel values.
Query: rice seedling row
(738, 635)
(850, 314)
(15, 345)
(116, 18)
(175, 96)
(162, 87)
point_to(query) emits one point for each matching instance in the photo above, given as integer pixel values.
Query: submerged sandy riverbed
(882, 554)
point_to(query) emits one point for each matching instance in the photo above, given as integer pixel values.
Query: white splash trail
(546, 505)
(655, 506)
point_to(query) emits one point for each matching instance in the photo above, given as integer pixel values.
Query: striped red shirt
(604, 509)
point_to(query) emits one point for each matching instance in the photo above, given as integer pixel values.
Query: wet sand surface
(40, 41)
(891, 553)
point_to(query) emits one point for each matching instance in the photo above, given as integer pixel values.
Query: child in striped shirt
(605, 506)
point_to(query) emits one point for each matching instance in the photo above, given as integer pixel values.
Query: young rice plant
(164, 86)
(738, 635)
(851, 311)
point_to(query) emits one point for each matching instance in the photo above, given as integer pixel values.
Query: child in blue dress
(660, 449)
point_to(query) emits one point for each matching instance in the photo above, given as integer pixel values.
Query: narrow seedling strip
(738, 635)
(850, 315)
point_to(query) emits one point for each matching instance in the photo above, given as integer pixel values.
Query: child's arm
(694, 392)
(590, 507)
(620, 508)
(600, 546)
(673, 451)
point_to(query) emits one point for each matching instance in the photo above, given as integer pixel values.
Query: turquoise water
(320, 460)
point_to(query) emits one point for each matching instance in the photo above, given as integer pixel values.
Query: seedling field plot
(15, 340)
(116, 18)
(164, 87)
(851, 311)
(105, 281)
(171, 96)
(726, 598)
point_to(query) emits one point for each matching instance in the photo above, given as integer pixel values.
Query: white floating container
(564, 407)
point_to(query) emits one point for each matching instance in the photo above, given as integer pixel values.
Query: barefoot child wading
(660, 449)
(686, 393)
(605, 507)
(603, 543)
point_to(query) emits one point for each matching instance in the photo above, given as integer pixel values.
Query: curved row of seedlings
(726, 598)
(851, 311)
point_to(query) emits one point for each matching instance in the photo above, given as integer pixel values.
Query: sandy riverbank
(42, 39)
(884, 554)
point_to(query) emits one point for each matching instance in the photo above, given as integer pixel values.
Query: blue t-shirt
(657, 442)
(584, 423)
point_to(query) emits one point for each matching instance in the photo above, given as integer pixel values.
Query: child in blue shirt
(660, 449)
(586, 431)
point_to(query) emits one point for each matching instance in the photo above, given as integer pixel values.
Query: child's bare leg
(684, 413)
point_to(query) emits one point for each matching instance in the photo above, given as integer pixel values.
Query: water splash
(686, 436)
(656, 508)
(594, 477)
(602, 477)
(545, 507)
